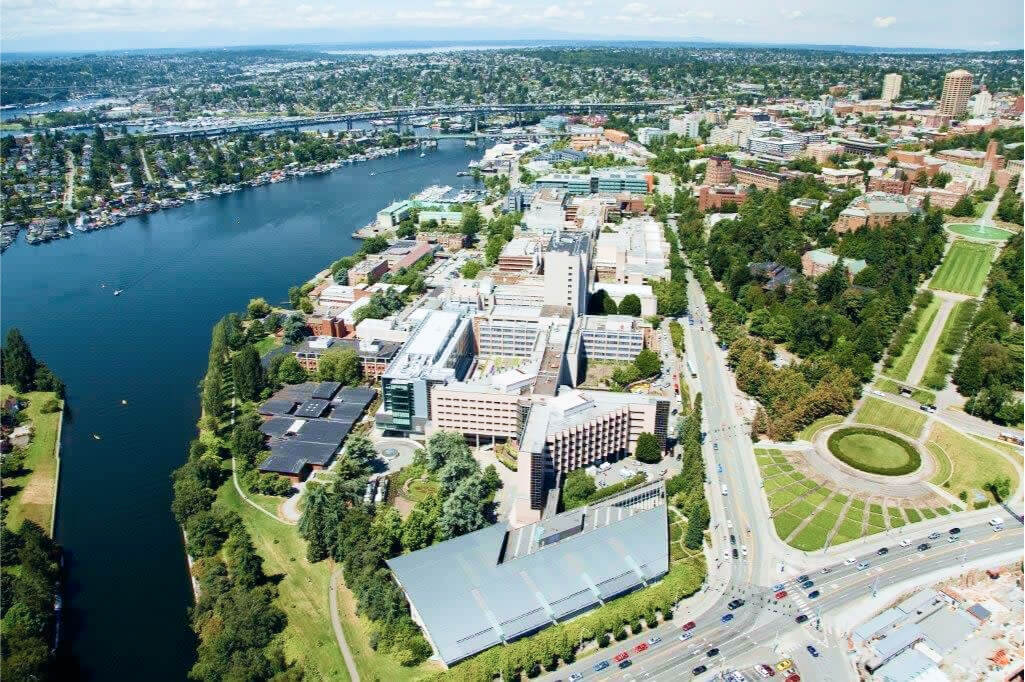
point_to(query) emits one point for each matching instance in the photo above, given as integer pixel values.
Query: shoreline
(57, 473)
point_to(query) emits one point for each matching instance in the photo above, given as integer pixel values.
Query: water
(182, 269)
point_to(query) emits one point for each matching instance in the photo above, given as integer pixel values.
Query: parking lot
(625, 468)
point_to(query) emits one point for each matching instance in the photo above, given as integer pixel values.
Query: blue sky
(116, 24)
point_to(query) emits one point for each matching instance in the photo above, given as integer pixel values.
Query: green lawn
(902, 364)
(943, 466)
(896, 518)
(810, 538)
(267, 344)
(785, 524)
(809, 431)
(781, 499)
(869, 451)
(420, 490)
(33, 491)
(913, 515)
(972, 463)
(927, 513)
(883, 413)
(979, 231)
(876, 521)
(964, 269)
(940, 361)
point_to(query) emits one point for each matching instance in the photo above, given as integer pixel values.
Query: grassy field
(873, 451)
(943, 466)
(964, 269)
(809, 431)
(902, 365)
(979, 231)
(972, 464)
(35, 489)
(883, 413)
(267, 344)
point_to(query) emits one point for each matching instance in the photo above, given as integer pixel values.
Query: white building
(649, 135)
(686, 125)
(566, 271)
(891, 87)
(982, 103)
(636, 252)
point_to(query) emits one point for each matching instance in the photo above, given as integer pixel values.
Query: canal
(181, 269)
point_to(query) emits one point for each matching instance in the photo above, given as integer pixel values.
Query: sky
(61, 25)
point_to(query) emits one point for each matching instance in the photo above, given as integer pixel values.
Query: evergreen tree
(247, 372)
(19, 367)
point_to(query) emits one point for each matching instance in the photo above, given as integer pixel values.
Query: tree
(314, 522)
(630, 305)
(697, 521)
(832, 283)
(443, 446)
(295, 329)
(418, 530)
(462, 512)
(340, 364)
(647, 363)
(361, 451)
(963, 208)
(577, 489)
(19, 367)
(608, 304)
(471, 269)
(648, 449)
(213, 393)
(290, 371)
(470, 223)
(247, 372)
(257, 308)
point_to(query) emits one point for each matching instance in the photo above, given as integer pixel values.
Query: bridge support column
(398, 124)
(348, 124)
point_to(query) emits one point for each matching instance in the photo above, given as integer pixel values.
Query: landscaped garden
(976, 231)
(968, 466)
(874, 451)
(883, 413)
(964, 269)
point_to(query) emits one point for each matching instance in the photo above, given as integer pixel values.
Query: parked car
(924, 546)
(641, 648)
(814, 594)
(807, 584)
(765, 670)
(736, 604)
(934, 535)
(812, 650)
(801, 578)
(905, 543)
(785, 664)
(743, 550)
(955, 531)
(849, 560)
(576, 677)
(623, 665)
(882, 551)
(778, 586)
(685, 636)
(781, 594)
(793, 678)
(700, 669)
(727, 618)
(713, 652)
(735, 553)
(801, 618)
(733, 539)
(826, 570)
(621, 656)
(953, 538)
(600, 665)
(689, 626)
(653, 640)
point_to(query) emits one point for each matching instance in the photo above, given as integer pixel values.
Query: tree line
(23, 370)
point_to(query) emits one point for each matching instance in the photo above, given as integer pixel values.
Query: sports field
(964, 269)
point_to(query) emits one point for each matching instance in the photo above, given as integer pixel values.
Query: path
(932, 336)
(145, 165)
(69, 182)
(336, 623)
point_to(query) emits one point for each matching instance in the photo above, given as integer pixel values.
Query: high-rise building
(718, 171)
(566, 266)
(891, 86)
(982, 104)
(957, 86)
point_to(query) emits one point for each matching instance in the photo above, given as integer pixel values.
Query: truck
(690, 368)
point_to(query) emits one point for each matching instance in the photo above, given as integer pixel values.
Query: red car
(766, 670)
(689, 626)
(621, 656)
(643, 646)
(781, 594)
(794, 678)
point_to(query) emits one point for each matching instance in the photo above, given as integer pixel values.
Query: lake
(181, 269)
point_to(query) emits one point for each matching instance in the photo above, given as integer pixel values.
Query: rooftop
(573, 243)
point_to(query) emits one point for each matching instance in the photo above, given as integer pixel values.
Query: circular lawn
(874, 452)
(979, 231)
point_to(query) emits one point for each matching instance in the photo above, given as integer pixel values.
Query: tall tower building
(567, 264)
(891, 86)
(957, 86)
(982, 104)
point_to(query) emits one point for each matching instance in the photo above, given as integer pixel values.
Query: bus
(690, 368)
(1012, 438)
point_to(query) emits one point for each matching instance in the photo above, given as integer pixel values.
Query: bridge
(402, 114)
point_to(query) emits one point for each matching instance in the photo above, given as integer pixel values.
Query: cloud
(477, 4)
(554, 12)
(796, 14)
(884, 22)
(635, 8)
(443, 3)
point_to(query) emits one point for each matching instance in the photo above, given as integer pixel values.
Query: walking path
(336, 623)
(69, 182)
(932, 336)
(145, 166)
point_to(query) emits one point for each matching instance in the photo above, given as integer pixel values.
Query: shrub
(621, 635)
(50, 405)
(604, 641)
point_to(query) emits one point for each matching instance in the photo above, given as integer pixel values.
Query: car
(953, 538)
(924, 546)
(954, 531)
(998, 528)
(882, 551)
(793, 678)
(712, 653)
(781, 594)
(599, 666)
(849, 560)
(685, 636)
(801, 579)
(735, 553)
(743, 550)
(807, 584)
(641, 648)
(812, 650)
(826, 570)
(765, 670)
(785, 664)
(934, 536)
(736, 604)
(778, 586)
(876, 391)
(863, 565)
(623, 665)
(996, 521)
(621, 656)
(653, 640)
(727, 618)
(725, 490)
(715, 446)
(726, 554)
(729, 524)
(700, 669)
(689, 626)
(905, 543)
(576, 677)
(801, 618)
(733, 539)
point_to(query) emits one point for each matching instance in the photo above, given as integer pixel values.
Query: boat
(124, 402)
(117, 292)
(96, 436)
(373, 173)
(423, 154)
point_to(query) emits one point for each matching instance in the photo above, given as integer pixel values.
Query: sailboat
(373, 173)
(423, 154)
(117, 292)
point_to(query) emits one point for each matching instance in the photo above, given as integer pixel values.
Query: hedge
(614, 489)
(914, 459)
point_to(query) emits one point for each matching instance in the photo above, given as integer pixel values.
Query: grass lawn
(267, 344)
(867, 450)
(856, 504)
(781, 499)
(964, 269)
(785, 524)
(943, 466)
(896, 518)
(923, 397)
(774, 484)
(927, 513)
(847, 530)
(1012, 450)
(876, 521)
(940, 361)
(979, 231)
(809, 431)
(883, 413)
(887, 386)
(810, 538)
(817, 497)
(902, 364)
(942, 511)
(801, 509)
(835, 505)
(419, 490)
(913, 515)
(33, 499)
(973, 464)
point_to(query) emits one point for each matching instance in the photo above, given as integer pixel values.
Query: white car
(743, 550)
(905, 543)
(849, 560)
(729, 524)
(877, 392)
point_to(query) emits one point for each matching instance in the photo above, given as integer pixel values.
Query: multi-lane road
(763, 620)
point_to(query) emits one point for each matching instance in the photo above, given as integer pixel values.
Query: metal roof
(468, 599)
(326, 390)
(283, 464)
(276, 426)
(277, 406)
(312, 408)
